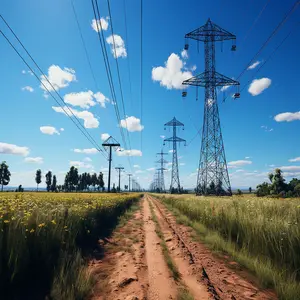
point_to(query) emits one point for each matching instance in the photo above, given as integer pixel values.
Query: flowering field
(262, 233)
(44, 237)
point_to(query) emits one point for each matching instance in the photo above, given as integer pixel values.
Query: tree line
(73, 180)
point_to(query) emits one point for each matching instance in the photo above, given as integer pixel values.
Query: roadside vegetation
(47, 239)
(263, 234)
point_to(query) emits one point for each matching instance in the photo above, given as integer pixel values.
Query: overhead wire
(101, 39)
(64, 107)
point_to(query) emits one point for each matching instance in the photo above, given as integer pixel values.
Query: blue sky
(258, 136)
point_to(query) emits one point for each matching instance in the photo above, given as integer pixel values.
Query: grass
(170, 263)
(183, 294)
(46, 240)
(261, 234)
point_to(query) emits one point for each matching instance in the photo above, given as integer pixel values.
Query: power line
(84, 45)
(128, 56)
(272, 53)
(118, 71)
(83, 131)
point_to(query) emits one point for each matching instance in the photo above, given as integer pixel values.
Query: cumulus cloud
(257, 86)
(290, 169)
(13, 149)
(162, 136)
(101, 99)
(80, 164)
(132, 152)
(62, 129)
(132, 124)
(34, 160)
(239, 163)
(49, 130)
(86, 151)
(117, 46)
(171, 75)
(27, 88)
(89, 119)
(287, 117)
(184, 54)
(294, 159)
(58, 77)
(254, 65)
(97, 25)
(104, 136)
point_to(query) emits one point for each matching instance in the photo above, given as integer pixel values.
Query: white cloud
(184, 54)
(97, 25)
(136, 166)
(13, 149)
(289, 169)
(224, 88)
(132, 152)
(193, 68)
(254, 65)
(171, 151)
(35, 160)
(104, 136)
(27, 88)
(139, 172)
(117, 45)
(171, 76)
(151, 169)
(59, 78)
(294, 159)
(49, 130)
(62, 129)
(257, 86)
(80, 164)
(87, 159)
(266, 128)
(101, 99)
(239, 163)
(287, 116)
(162, 136)
(89, 119)
(132, 124)
(182, 164)
(86, 151)
(81, 99)
(23, 72)
(247, 157)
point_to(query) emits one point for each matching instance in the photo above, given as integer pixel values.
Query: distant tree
(101, 181)
(38, 178)
(277, 182)
(48, 180)
(20, 189)
(54, 182)
(113, 190)
(88, 180)
(212, 188)
(72, 179)
(292, 184)
(263, 189)
(239, 192)
(4, 174)
(250, 189)
(297, 190)
(94, 181)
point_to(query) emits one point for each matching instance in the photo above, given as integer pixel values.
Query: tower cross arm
(205, 79)
(174, 139)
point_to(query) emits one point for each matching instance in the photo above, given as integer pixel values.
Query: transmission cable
(141, 71)
(83, 130)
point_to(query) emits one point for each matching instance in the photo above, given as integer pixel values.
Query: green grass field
(46, 239)
(263, 234)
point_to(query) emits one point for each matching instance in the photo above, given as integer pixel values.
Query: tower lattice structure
(161, 169)
(213, 175)
(175, 182)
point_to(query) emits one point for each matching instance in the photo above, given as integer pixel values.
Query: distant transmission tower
(175, 183)
(212, 174)
(162, 162)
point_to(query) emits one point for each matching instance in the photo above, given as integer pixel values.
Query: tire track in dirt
(161, 285)
(228, 283)
(190, 276)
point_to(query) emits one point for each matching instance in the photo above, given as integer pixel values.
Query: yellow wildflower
(6, 221)
(32, 230)
(53, 222)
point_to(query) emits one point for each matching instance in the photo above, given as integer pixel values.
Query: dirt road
(142, 258)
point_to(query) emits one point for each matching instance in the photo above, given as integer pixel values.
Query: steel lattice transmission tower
(175, 183)
(212, 174)
(162, 162)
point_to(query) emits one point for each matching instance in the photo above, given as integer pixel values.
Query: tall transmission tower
(129, 176)
(212, 173)
(119, 169)
(162, 162)
(109, 144)
(175, 183)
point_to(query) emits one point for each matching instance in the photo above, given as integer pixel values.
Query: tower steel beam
(213, 175)
(119, 170)
(175, 182)
(162, 163)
